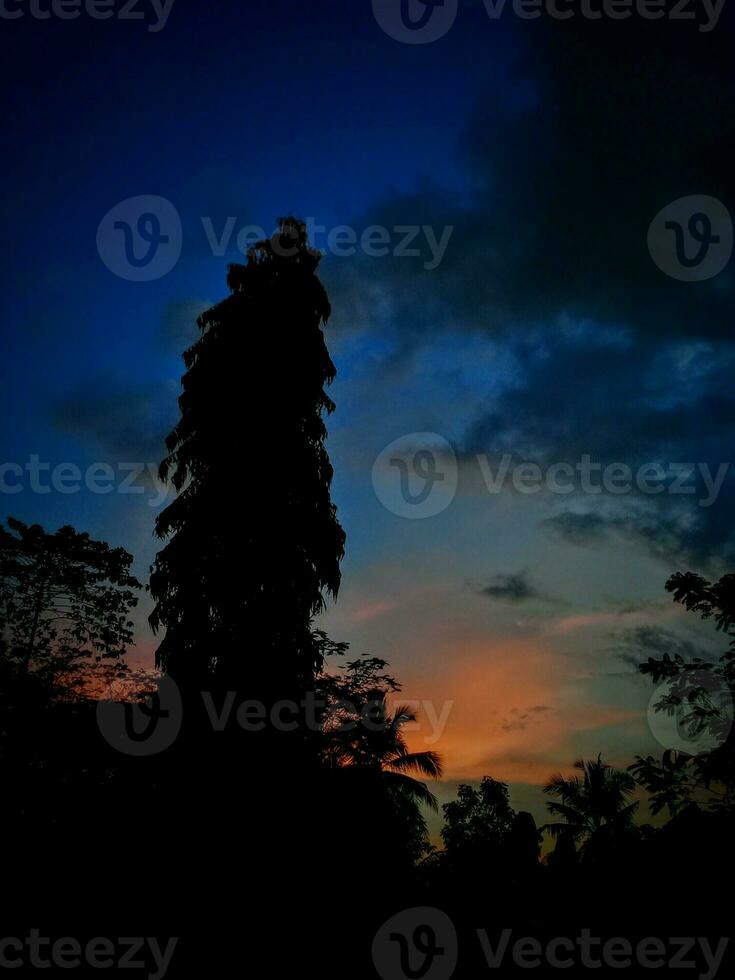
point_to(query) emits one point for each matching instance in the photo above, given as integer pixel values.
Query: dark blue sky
(244, 110)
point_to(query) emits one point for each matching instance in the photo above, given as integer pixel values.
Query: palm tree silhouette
(378, 746)
(595, 802)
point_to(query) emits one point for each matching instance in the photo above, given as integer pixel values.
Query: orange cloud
(516, 709)
(371, 610)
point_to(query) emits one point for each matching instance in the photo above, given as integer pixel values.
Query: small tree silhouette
(701, 694)
(376, 743)
(478, 822)
(370, 756)
(671, 782)
(595, 803)
(64, 605)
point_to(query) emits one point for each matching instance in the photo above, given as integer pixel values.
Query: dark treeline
(285, 848)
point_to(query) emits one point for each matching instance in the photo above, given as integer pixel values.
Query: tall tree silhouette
(254, 542)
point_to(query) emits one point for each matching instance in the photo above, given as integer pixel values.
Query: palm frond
(411, 788)
(426, 763)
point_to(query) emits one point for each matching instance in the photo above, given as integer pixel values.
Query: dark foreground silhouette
(281, 825)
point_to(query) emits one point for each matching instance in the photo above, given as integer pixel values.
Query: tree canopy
(64, 603)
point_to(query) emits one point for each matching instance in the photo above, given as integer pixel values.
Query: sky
(531, 307)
